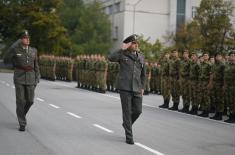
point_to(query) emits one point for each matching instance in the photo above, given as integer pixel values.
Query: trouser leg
(20, 104)
(29, 95)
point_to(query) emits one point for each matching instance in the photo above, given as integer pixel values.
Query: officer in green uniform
(185, 87)
(26, 77)
(229, 86)
(174, 78)
(165, 81)
(194, 80)
(204, 93)
(130, 82)
(217, 78)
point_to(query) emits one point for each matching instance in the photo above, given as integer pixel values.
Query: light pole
(134, 7)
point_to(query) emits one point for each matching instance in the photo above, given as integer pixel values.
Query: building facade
(154, 19)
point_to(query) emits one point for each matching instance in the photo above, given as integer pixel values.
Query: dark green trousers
(131, 110)
(24, 100)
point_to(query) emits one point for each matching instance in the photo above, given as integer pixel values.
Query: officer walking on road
(130, 82)
(26, 76)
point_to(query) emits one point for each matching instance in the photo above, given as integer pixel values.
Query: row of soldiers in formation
(205, 86)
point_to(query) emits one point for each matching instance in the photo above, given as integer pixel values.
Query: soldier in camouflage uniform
(194, 86)
(217, 78)
(153, 79)
(174, 72)
(147, 79)
(204, 93)
(229, 86)
(185, 84)
(158, 78)
(165, 81)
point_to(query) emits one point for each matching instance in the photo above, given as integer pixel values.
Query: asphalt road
(66, 120)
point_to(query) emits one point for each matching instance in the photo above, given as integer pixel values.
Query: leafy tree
(88, 26)
(40, 18)
(153, 51)
(209, 29)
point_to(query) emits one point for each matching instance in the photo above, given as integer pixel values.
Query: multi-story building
(154, 19)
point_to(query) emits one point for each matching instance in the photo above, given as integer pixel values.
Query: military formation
(92, 72)
(207, 85)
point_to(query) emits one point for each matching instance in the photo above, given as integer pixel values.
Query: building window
(110, 9)
(117, 7)
(115, 33)
(180, 19)
(194, 11)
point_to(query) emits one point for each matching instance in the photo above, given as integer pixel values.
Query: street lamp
(134, 7)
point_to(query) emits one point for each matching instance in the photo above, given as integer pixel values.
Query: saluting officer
(130, 82)
(26, 76)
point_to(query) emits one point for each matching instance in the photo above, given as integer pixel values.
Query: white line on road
(103, 128)
(8, 84)
(149, 149)
(74, 115)
(150, 106)
(54, 106)
(39, 99)
(13, 87)
(111, 96)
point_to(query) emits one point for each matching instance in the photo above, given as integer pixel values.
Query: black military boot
(193, 111)
(204, 113)
(174, 107)
(165, 105)
(185, 109)
(231, 119)
(21, 128)
(218, 116)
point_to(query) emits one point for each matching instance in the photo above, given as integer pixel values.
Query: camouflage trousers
(231, 99)
(175, 90)
(147, 85)
(165, 88)
(204, 95)
(218, 96)
(158, 84)
(101, 80)
(194, 87)
(185, 90)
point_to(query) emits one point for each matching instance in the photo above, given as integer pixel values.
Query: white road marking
(13, 87)
(8, 84)
(74, 115)
(103, 128)
(149, 149)
(111, 96)
(3, 82)
(39, 99)
(60, 84)
(150, 106)
(54, 106)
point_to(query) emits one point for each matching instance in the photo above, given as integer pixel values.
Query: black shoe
(204, 114)
(185, 109)
(130, 141)
(165, 104)
(193, 111)
(21, 128)
(218, 116)
(231, 119)
(174, 107)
